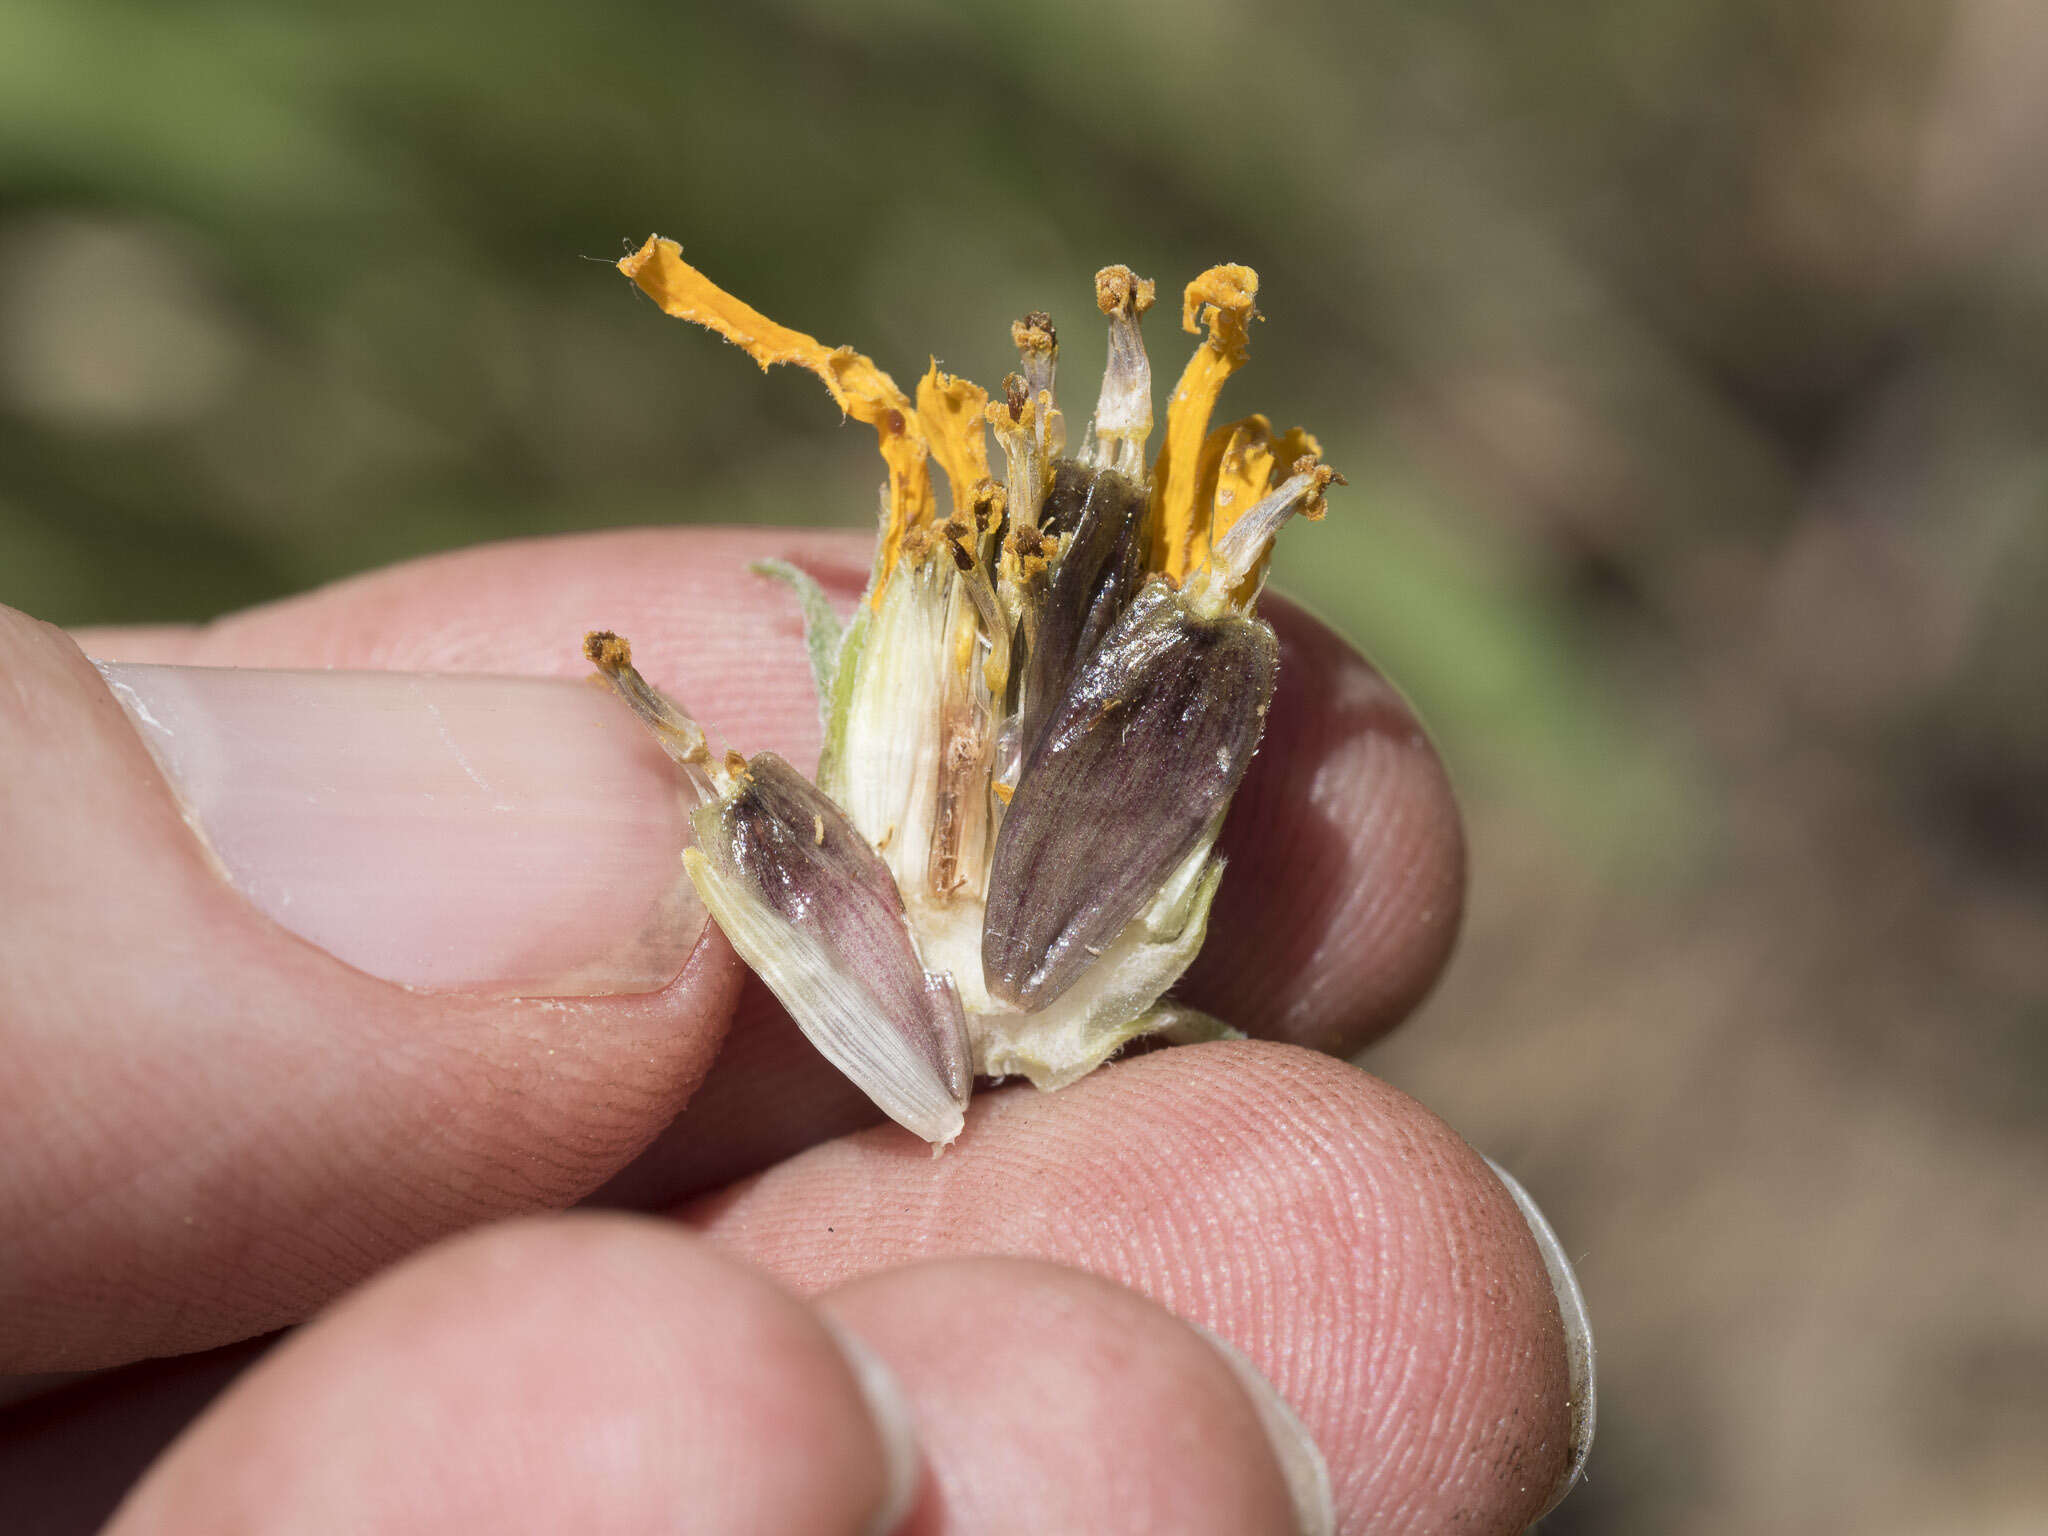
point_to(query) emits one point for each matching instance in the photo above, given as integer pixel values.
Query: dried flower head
(1033, 724)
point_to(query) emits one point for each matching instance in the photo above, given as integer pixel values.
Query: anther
(1034, 333)
(680, 736)
(1119, 290)
(989, 502)
(1123, 412)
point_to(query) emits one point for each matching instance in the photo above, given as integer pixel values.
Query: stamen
(679, 736)
(990, 503)
(1025, 567)
(969, 702)
(960, 812)
(1052, 428)
(1031, 549)
(958, 845)
(1038, 352)
(1251, 536)
(1123, 413)
(980, 592)
(1016, 426)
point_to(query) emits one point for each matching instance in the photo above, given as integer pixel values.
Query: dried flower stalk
(1034, 723)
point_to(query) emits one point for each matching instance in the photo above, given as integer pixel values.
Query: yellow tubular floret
(1179, 518)
(952, 412)
(861, 389)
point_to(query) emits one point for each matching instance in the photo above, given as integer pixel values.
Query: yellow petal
(1239, 464)
(861, 389)
(951, 410)
(1180, 520)
(1295, 443)
(1236, 470)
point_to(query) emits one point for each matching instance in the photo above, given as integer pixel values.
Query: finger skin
(1346, 1240)
(579, 1373)
(209, 1127)
(1047, 1398)
(213, 1128)
(1347, 858)
(1347, 866)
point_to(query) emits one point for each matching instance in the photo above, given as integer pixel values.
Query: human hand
(211, 1129)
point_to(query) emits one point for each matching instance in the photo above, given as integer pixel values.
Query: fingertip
(1046, 1397)
(569, 1373)
(1343, 1237)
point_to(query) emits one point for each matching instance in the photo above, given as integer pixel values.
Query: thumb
(209, 1125)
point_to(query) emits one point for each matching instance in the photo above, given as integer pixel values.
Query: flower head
(1034, 723)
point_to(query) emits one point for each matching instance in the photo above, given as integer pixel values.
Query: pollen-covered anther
(1018, 428)
(1314, 504)
(1034, 333)
(990, 502)
(680, 736)
(1038, 356)
(1032, 550)
(988, 613)
(1123, 411)
(1119, 290)
(607, 651)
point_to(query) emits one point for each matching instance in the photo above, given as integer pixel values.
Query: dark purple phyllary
(1136, 761)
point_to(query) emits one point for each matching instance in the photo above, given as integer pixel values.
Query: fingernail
(1301, 1460)
(1578, 1335)
(510, 836)
(890, 1410)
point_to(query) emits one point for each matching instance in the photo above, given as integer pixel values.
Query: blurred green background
(1689, 362)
